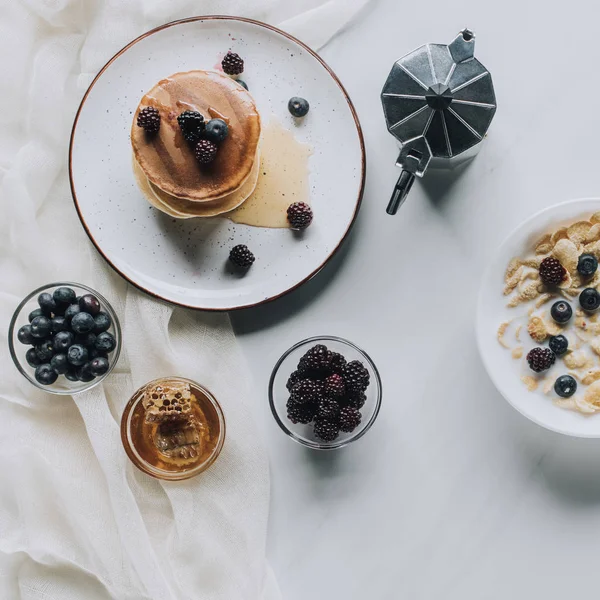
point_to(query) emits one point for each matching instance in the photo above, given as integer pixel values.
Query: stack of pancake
(165, 165)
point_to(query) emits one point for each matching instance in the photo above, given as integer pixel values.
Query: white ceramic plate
(492, 310)
(184, 261)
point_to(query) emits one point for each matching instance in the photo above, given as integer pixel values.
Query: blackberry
(558, 344)
(325, 430)
(334, 386)
(300, 413)
(293, 379)
(551, 271)
(587, 265)
(299, 215)
(338, 362)
(232, 64)
(356, 400)
(328, 409)
(306, 391)
(317, 361)
(149, 119)
(205, 152)
(192, 125)
(241, 256)
(540, 359)
(349, 419)
(356, 377)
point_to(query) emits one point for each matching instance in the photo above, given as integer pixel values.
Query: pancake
(167, 159)
(184, 209)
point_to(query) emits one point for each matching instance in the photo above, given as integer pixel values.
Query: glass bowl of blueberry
(64, 338)
(325, 392)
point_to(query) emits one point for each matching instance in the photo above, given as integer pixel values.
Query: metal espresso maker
(438, 102)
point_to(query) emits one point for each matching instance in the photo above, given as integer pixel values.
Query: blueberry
(216, 130)
(82, 322)
(95, 353)
(60, 363)
(47, 304)
(77, 355)
(102, 322)
(64, 296)
(45, 374)
(89, 304)
(71, 374)
(105, 342)
(62, 340)
(242, 83)
(589, 300)
(45, 351)
(565, 386)
(86, 339)
(84, 373)
(24, 335)
(59, 324)
(587, 265)
(32, 358)
(38, 312)
(71, 311)
(41, 327)
(561, 311)
(558, 344)
(298, 107)
(99, 366)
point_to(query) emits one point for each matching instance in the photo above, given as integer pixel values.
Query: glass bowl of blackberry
(64, 338)
(325, 392)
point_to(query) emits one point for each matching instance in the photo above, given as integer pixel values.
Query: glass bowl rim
(325, 445)
(143, 465)
(17, 362)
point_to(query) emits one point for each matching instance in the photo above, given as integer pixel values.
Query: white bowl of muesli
(538, 318)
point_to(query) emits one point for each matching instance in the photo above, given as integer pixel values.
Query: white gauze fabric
(77, 520)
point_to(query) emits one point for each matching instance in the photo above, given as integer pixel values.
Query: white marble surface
(453, 494)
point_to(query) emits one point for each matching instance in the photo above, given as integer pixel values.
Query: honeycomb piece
(179, 442)
(595, 218)
(168, 402)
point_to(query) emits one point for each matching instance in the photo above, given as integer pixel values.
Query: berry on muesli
(561, 269)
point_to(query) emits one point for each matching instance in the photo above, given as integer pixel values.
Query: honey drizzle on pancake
(166, 158)
(283, 179)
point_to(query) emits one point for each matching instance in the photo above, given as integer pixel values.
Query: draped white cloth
(77, 520)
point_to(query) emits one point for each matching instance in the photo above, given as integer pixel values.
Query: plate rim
(332, 75)
(479, 328)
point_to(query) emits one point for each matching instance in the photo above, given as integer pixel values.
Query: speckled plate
(184, 262)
